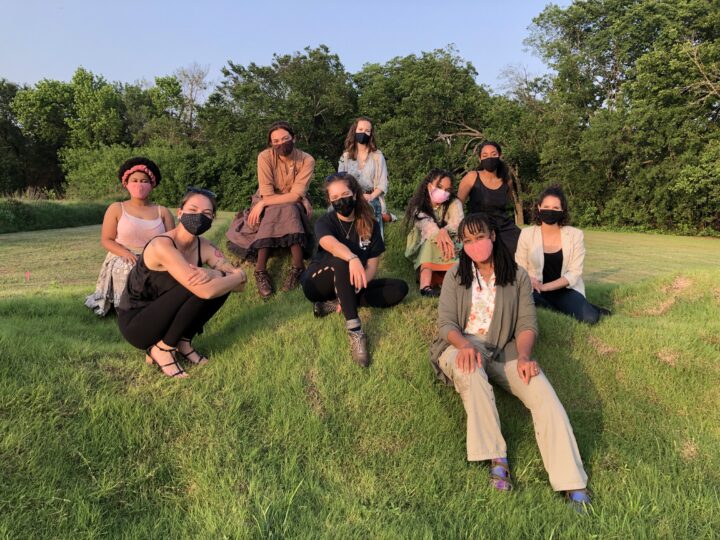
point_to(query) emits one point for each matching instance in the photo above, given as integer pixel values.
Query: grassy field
(281, 435)
(35, 215)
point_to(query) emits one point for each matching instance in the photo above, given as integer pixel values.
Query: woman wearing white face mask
(367, 164)
(487, 329)
(432, 218)
(127, 227)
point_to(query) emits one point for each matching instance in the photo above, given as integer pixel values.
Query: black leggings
(176, 314)
(331, 279)
(570, 302)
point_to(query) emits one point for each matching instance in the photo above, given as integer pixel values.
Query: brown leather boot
(264, 283)
(293, 278)
(358, 347)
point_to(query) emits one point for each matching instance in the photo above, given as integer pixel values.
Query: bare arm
(466, 185)
(162, 255)
(371, 268)
(108, 233)
(167, 219)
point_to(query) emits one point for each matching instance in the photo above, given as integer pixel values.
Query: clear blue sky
(130, 40)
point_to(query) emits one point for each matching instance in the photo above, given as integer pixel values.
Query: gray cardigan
(514, 312)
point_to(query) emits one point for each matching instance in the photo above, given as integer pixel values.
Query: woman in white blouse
(366, 163)
(553, 253)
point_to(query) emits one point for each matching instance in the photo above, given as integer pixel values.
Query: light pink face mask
(438, 196)
(479, 250)
(139, 190)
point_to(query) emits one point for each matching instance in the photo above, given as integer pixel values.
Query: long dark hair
(351, 143)
(503, 261)
(553, 191)
(364, 214)
(420, 201)
(502, 171)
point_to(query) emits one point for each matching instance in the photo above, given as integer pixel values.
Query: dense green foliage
(23, 215)
(628, 122)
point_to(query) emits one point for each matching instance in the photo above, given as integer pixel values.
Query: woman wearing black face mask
(279, 216)
(367, 164)
(553, 253)
(341, 274)
(490, 191)
(169, 295)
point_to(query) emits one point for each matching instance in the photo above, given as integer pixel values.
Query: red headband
(138, 168)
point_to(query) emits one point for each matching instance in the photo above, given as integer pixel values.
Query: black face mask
(362, 138)
(196, 224)
(551, 217)
(344, 206)
(285, 148)
(490, 164)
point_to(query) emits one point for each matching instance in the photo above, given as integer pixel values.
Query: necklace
(349, 230)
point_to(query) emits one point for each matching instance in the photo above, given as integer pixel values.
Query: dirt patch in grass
(600, 346)
(312, 394)
(689, 450)
(679, 285)
(668, 356)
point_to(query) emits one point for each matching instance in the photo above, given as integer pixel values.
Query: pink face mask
(438, 196)
(479, 250)
(139, 190)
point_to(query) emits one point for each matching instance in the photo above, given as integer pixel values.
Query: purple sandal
(500, 477)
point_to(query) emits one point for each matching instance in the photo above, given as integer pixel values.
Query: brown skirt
(281, 226)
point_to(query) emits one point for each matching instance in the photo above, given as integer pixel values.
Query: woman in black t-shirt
(341, 274)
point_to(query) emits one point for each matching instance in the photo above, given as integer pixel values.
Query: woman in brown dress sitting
(280, 213)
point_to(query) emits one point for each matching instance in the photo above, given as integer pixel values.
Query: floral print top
(483, 305)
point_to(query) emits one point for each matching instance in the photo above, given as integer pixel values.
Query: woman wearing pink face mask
(127, 227)
(487, 330)
(432, 218)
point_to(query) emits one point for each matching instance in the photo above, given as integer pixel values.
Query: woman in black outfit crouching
(169, 295)
(341, 274)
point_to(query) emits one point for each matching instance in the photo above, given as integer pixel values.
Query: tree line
(627, 122)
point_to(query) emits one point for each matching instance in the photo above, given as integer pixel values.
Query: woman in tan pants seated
(487, 329)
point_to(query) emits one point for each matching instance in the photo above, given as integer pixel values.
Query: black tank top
(552, 266)
(145, 285)
(494, 202)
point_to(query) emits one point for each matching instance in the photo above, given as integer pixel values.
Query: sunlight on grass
(282, 435)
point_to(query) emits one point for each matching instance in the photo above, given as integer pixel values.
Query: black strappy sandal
(150, 359)
(202, 360)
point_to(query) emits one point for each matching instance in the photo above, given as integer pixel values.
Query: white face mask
(438, 196)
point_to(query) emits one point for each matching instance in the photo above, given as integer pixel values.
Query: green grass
(29, 215)
(281, 435)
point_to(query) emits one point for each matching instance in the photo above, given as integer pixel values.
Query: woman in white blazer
(553, 253)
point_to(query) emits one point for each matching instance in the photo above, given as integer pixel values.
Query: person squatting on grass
(366, 163)
(127, 227)
(169, 295)
(279, 216)
(552, 253)
(341, 274)
(487, 329)
(490, 190)
(432, 216)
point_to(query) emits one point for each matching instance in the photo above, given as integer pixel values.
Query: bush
(17, 216)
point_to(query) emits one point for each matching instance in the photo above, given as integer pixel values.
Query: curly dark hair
(420, 201)
(132, 162)
(503, 171)
(503, 261)
(351, 143)
(553, 191)
(280, 124)
(364, 214)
